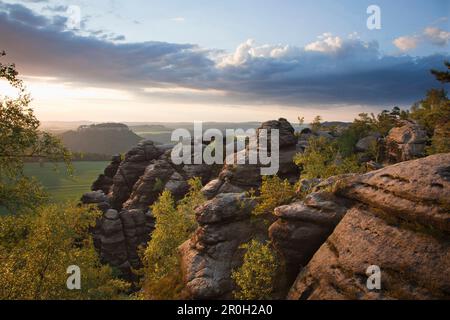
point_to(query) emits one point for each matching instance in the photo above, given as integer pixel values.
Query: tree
(442, 76)
(316, 124)
(255, 279)
(322, 159)
(20, 138)
(274, 192)
(174, 224)
(433, 110)
(433, 113)
(36, 249)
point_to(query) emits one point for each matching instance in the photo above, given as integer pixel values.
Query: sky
(247, 60)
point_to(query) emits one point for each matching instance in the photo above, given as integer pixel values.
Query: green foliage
(365, 125)
(274, 192)
(21, 139)
(174, 224)
(36, 249)
(159, 185)
(104, 138)
(432, 111)
(255, 278)
(442, 76)
(322, 159)
(440, 142)
(316, 124)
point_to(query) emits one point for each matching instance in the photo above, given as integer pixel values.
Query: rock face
(303, 226)
(208, 258)
(399, 220)
(130, 170)
(105, 180)
(137, 183)
(239, 178)
(366, 143)
(406, 142)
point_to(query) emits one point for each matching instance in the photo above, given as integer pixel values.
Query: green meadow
(59, 184)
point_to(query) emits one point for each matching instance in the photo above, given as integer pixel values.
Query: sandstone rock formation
(303, 226)
(105, 180)
(399, 221)
(238, 177)
(397, 218)
(130, 170)
(368, 142)
(406, 142)
(211, 254)
(139, 179)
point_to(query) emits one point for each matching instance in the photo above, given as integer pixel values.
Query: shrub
(255, 278)
(322, 159)
(174, 224)
(36, 249)
(316, 125)
(274, 192)
(440, 142)
(432, 111)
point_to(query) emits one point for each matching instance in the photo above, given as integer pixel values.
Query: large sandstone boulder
(285, 130)
(242, 177)
(406, 142)
(303, 226)
(368, 142)
(130, 170)
(400, 222)
(208, 258)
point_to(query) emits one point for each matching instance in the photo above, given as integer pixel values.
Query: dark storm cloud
(329, 71)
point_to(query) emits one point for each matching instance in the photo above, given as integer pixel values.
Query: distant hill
(103, 138)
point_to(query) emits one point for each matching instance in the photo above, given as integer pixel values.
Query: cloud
(406, 43)
(437, 36)
(330, 71)
(178, 19)
(326, 43)
(430, 35)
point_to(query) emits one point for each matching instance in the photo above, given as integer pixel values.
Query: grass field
(60, 186)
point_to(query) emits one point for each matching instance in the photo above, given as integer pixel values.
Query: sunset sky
(247, 60)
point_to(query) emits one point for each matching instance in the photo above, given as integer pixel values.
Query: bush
(322, 159)
(255, 278)
(174, 224)
(432, 111)
(36, 249)
(440, 142)
(274, 192)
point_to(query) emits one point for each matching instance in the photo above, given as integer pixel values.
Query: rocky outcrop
(303, 226)
(405, 142)
(105, 180)
(208, 258)
(130, 170)
(367, 143)
(139, 179)
(242, 177)
(399, 220)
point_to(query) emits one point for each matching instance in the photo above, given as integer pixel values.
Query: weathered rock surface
(366, 143)
(137, 182)
(399, 221)
(285, 130)
(105, 180)
(303, 226)
(130, 170)
(208, 258)
(406, 142)
(242, 177)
